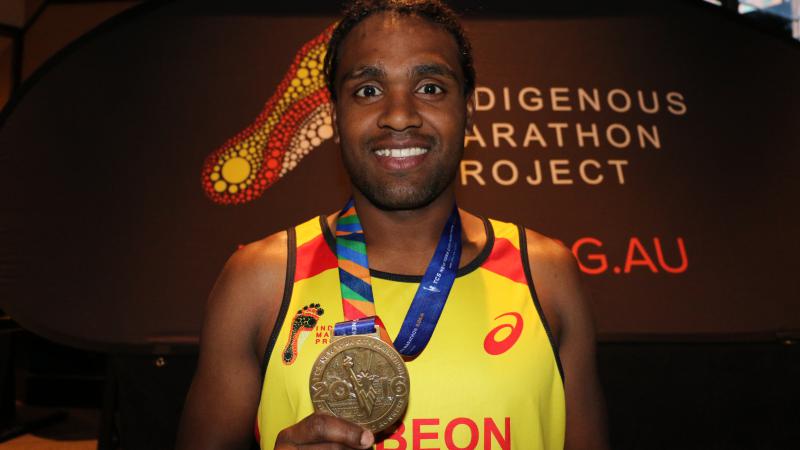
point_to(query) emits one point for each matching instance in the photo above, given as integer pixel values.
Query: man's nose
(399, 112)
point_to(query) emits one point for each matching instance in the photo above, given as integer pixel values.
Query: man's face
(401, 111)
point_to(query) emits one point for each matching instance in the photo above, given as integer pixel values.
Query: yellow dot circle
(233, 189)
(302, 73)
(314, 72)
(236, 170)
(295, 82)
(220, 186)
(312, 64)
(306, 82)
(214, 176)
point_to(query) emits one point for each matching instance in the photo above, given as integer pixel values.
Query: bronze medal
(362, 379)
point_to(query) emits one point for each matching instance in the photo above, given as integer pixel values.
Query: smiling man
(491, 360)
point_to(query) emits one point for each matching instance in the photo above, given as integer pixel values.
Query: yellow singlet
(489, 378)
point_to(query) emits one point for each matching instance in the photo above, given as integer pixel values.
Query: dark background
(110, 245)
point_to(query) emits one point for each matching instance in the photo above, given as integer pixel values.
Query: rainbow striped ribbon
(351, 251)
(356, 286)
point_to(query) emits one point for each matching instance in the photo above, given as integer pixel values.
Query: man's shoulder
(553, 266)
(265, 260)
(253, 272)
(541, 249)
(260, 254)
(555, 272)
(546, 250)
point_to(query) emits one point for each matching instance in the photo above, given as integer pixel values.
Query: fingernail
(366, 439)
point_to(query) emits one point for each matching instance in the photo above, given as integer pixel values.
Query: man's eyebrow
(434, 69)
(365, 72)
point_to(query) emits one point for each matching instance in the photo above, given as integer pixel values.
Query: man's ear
(335, 123)
(470, 110)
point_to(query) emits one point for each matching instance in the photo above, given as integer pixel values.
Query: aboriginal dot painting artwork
(294, 121)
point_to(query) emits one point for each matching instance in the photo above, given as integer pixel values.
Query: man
(401, 78)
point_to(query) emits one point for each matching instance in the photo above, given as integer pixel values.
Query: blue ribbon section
(364, 325)
(428, 303)
(429, 300)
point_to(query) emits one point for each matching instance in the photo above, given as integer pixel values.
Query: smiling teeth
(401, 152)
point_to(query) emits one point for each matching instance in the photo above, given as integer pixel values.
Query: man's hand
(321, 431)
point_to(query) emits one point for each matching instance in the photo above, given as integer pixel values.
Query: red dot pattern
(265, 142)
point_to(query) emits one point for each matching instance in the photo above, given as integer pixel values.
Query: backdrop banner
(660, 148)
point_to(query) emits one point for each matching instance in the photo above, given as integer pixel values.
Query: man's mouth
(400, 159)
(401, 152)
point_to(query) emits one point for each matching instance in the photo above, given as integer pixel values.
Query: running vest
(489, 378)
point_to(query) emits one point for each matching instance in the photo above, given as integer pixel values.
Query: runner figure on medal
(490, 359)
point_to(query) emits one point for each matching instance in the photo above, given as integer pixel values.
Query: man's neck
(406, 232)
(403, 242)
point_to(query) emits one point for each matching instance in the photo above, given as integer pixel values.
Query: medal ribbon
(358, 302)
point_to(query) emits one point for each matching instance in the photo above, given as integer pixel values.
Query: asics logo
(495, 346)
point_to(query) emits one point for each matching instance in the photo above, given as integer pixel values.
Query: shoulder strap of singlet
(291, 263)
(523, 250)
(291, 259)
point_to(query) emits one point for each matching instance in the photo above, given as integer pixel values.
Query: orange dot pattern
(313, 131)
(294, 121)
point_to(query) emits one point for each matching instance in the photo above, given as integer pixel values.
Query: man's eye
(367, 91)
(430, 89)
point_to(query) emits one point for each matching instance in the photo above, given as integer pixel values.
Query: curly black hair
(432, 10)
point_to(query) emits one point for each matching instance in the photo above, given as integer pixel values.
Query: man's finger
(325, 446)
(318, 428)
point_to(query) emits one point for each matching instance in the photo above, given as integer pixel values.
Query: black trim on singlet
(526, 265)
(291, 263)
(479, 259)
(330, 239)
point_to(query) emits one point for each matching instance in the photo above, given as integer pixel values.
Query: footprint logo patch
(302, 325)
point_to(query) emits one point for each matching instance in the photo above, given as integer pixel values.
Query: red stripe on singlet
(505, 261)
(313, 258)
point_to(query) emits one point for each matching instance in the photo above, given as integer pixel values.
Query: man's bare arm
(220, 408)
(564, 301)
